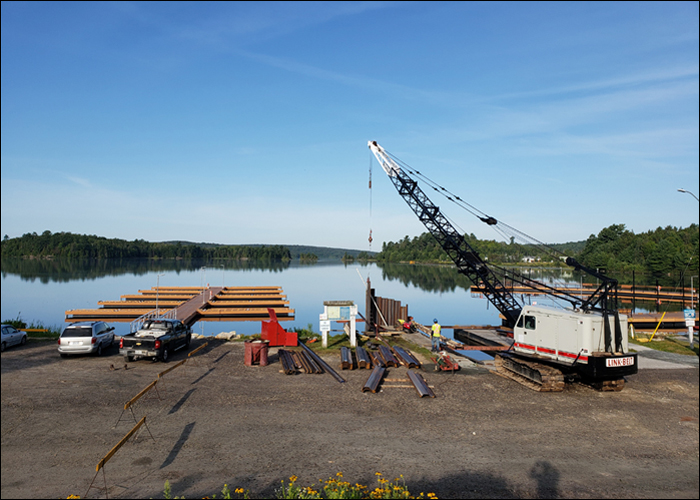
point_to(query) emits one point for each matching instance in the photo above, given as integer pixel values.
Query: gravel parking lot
(218, 421)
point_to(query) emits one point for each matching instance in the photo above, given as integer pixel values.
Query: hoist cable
(500, 227)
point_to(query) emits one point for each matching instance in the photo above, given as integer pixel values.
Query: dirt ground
(221, 422)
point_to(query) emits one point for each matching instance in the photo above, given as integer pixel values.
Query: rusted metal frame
(420, 384)
(363, 359)
(322, 363)
(389, 358)
(374, 379)
(346, 362)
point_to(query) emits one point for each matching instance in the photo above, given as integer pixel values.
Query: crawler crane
(550, 344)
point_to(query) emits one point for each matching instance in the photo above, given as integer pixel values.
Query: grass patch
(671, 345)
(52, 332)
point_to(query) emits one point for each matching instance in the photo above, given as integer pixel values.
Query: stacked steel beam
(389, 358)
(288, 364)
(307, 363)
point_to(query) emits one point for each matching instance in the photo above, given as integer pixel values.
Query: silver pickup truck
(157, 338)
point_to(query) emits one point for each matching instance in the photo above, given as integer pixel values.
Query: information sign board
(689, 315)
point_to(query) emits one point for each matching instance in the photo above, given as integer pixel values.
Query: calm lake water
(41, 291)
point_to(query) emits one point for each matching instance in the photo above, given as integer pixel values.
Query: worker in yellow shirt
(435, 337)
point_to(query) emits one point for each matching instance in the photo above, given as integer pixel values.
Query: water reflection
(430, 278)
(61, 270)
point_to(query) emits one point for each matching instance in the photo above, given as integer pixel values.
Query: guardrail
(154, 314)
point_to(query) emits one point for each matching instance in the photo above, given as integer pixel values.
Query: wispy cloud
(80, 181)
(627, 81)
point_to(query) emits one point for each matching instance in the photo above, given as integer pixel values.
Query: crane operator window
(530, 322)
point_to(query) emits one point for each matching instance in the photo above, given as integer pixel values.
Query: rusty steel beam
(322, 363)
(363, 359)
(406, 357)
(346, 359)
(301, 361)
(311, 363)
(389, 358)
(374, 379)
(377, 359)
(420, 384)
(288, 364)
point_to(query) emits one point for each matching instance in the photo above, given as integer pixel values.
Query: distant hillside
(326, 253)
(323, 253)
(79, 246)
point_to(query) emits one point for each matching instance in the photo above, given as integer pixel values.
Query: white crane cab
(574, 338)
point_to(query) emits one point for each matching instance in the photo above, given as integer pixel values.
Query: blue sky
(248, 122)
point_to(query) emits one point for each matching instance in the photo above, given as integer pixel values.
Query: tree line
(78, 246)
(615, 248)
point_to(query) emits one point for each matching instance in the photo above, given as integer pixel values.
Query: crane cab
(573, 338)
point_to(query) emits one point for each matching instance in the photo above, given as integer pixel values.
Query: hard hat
(435, 320)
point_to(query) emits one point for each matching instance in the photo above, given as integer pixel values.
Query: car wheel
(166, 355)
(24, 340)
(128, 359)
(3, 347)
(99, 349)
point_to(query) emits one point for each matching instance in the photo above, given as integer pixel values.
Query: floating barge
(192, 304)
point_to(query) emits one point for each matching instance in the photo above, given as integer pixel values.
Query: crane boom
(466, 259)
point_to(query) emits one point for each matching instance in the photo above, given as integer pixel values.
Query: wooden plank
(123, 304)
(248, 303)
(240, 311)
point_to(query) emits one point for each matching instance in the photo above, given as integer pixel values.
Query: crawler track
(536, 376)
(609, 385)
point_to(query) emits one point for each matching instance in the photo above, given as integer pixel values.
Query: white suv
(86, 338)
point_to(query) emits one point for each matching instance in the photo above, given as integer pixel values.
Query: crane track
(536, 376)
(615, 385)
(544, 378)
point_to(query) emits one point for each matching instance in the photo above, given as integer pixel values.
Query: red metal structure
(273, 332)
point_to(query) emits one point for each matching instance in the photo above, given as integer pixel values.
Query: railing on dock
(136, 325)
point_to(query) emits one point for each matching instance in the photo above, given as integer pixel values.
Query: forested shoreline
(78, 246)
(661, 251)
(615, 248)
